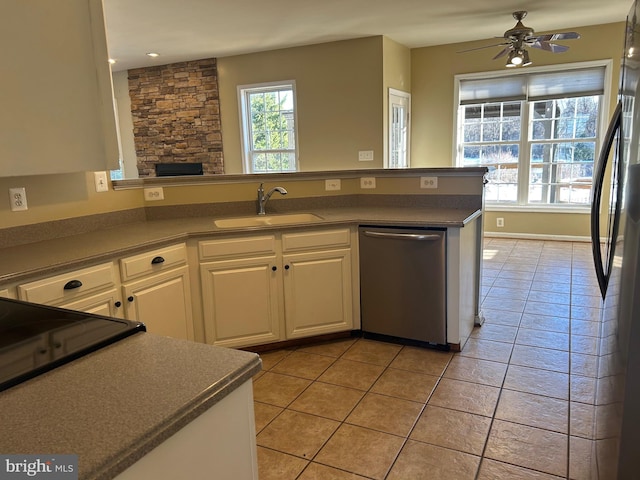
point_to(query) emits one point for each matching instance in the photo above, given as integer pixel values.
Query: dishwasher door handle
(422, 237)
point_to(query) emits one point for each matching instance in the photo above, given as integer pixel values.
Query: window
(267, 112)
(537, 132)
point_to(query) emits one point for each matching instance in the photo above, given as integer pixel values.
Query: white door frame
(402, 98)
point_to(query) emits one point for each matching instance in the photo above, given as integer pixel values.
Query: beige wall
(396, 75)
(56, 197)
(339, 88)
(339, 105)
(432, 81)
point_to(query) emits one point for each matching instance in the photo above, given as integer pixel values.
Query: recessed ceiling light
(153, 54)
(112, 61)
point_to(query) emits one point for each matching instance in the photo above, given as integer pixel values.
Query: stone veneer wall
(176, 115)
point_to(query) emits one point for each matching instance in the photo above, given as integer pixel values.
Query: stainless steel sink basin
(267, 220)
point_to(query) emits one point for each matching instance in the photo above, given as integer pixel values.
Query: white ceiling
(182, 30)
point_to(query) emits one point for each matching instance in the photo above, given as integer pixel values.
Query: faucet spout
(263, 198)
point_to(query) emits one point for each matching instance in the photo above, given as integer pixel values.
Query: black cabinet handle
(130, 298)
(286, 267)
(71, 284)
(118, 304)
(157, 260)
(274, 268)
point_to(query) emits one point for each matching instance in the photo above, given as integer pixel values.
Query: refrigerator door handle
(598, 184)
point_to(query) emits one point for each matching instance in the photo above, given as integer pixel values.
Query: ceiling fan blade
(486, 46)
(503, 52)
(552, 37)
(549, 47)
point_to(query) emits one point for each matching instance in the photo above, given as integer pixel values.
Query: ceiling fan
(520, 36)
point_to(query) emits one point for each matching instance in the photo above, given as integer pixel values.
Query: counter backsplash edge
(25, 234)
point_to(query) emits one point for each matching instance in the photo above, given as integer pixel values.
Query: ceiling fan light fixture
(517, 58)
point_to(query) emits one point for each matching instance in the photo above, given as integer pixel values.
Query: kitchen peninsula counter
(114, 406)
(50, 256)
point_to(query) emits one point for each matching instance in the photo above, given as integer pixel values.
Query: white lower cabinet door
(317, 292)
(107, 304)
(162, 302)
(241, 301)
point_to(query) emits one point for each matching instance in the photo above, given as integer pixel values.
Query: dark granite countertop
(115, 405)
(50, 256)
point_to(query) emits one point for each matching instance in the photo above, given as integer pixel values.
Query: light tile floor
(516, 403)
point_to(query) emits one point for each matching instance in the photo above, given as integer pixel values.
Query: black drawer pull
(274, 268)
(130, 299)
(157, 260)
(71, 284)
(118, 304)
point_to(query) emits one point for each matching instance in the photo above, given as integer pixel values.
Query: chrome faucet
(264, 198)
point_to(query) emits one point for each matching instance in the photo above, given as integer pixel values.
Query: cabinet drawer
(79, 282)
(237, 246)
(317, 239)
(154, 261)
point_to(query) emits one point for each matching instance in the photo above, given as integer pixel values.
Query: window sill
(581, 210)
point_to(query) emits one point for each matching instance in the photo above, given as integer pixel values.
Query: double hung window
(267, 113)
(536, 131)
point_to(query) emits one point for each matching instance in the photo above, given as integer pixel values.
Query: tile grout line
(495, 410)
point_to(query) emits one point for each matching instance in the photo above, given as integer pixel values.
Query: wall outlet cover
(428, 182)
(334, 184)
(153, 194)
(18, 199)
(368, 182)
(365, 156)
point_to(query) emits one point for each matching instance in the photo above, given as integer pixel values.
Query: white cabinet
(92, 289)
(57, 102)
(7, 293)
(265, 288)
(157, 291)
(107, 304)
(241, 290)
(317, 282)
(219, 444)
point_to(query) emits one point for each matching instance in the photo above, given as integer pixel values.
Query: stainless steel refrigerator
(616, 446)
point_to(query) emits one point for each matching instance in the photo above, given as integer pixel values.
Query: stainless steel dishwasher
(403, 284)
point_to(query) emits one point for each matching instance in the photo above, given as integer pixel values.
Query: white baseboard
(536, 236)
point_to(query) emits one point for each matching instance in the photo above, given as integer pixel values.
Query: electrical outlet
(365, 156)
(499, 222)
(368, 182)
(100, 179)
(153, 194)
(332, 184)
(18, 199)
(428, 182)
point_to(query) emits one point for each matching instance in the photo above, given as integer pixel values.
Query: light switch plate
(100, 179)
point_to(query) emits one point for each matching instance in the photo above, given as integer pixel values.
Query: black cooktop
(37, 338)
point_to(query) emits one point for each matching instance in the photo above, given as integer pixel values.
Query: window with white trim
(537, 132)
(267, 113)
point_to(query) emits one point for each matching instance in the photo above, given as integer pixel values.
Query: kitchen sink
(267, 220)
